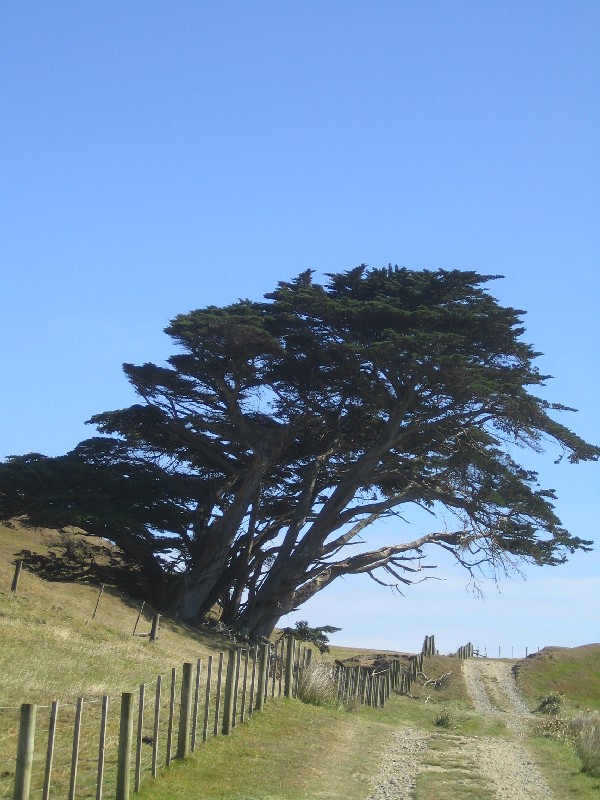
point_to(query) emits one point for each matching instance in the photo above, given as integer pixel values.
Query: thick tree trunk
(260, 619)
(189, 600)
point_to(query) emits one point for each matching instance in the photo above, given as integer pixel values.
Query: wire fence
(105, 747)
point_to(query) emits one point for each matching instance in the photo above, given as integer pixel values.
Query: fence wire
(76, 745)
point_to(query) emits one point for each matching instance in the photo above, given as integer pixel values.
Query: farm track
(491, 766)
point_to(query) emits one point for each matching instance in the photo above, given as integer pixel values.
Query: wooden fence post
(75, 751)
(289, 667)
(155, 627)
(252, 702)
(265, 687)
(17, 575)
(169, 757)
(218, 694)
(281, 668)
(274, 675)
(229, 692)
(98, 600)
(244, 686)
(101, 748)
(207, 699)
(138, 739)
(50, 750)
(263, 665)
(124, 756)
(298, 666)
(236, 688)
(196, 704)
(25, 752)
(183, 740)
(138, 617)
(156, 729)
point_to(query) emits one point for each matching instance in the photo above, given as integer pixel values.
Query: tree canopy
(256, 459)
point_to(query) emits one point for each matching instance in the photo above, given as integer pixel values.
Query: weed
(317, 686)
(585, 730)
(551, 703)
(444, 719)
(553, 728)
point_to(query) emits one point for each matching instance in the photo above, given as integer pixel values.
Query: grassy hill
(572, 672)
(50, 647)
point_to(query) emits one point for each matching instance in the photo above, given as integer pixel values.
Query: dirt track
(502, 765)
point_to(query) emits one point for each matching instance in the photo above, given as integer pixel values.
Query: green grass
(572, 672)
(449, 774)
(290, 751)
(562, 769)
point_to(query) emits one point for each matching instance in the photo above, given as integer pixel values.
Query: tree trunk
(261, 617)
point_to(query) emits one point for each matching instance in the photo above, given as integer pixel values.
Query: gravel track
(504, 765)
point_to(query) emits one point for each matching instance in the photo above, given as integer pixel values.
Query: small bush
(444, 719)
(554, 728)
(551, 704)
(317, 686)
(585, 730)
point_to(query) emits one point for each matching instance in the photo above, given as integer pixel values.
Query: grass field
(573, 672)
(51, 648)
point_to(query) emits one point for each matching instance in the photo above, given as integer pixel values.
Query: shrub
(554, 728)
(317, 686)
(444, 719)
(551, 703)
(317, 636)
(585, 729)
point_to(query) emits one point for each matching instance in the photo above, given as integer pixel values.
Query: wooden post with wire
(98, 600)
(138, 618)
(50, 750)
(124, 751)
(155, 627)
(17, 575)
(289, 667)
(229, 701)
(75, 750)
(25, 752)
(183, 739)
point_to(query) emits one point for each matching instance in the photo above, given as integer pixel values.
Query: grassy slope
(575, 674)
(50, 647)
(571, 671)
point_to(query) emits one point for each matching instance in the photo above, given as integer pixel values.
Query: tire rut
(502, 767)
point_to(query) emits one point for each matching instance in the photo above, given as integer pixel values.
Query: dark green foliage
(551, 703)
(280, 430)
(317, 636)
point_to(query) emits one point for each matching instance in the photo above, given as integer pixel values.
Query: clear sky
(157, 157)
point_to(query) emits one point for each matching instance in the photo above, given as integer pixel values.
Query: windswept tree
(256, 460)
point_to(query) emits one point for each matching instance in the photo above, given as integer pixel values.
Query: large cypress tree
(257, 458)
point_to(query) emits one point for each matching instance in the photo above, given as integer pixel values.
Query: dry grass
(51, 648)
(317, 685)
(585, 730)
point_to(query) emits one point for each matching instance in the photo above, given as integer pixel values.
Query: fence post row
(268, 670)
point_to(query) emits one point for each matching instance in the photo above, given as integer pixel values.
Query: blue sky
(159, 157)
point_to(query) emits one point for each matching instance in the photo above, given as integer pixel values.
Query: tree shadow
(71, 558)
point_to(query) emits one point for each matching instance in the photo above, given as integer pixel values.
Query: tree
(316, 636)
(281, 430)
